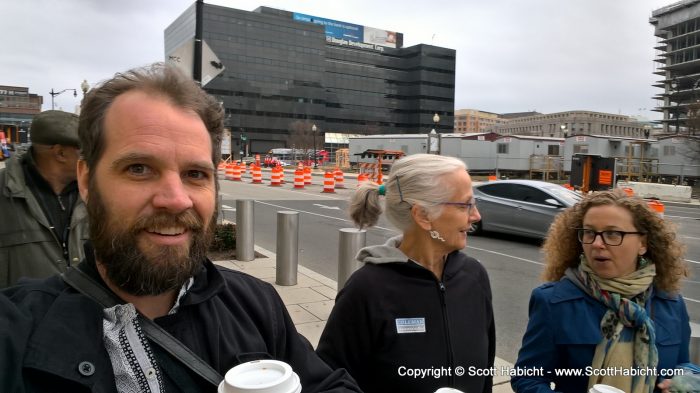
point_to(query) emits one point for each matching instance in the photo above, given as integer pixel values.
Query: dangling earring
(642, 262)
(436, 235)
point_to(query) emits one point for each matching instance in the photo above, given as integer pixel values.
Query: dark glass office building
(285, 71)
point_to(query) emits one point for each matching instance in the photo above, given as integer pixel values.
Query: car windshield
(568, 196)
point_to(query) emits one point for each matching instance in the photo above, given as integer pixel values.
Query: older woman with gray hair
(418, 315)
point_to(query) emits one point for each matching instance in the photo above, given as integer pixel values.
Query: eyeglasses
(464, 206)
(610, 238)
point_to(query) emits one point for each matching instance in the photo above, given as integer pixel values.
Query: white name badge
(410, 325)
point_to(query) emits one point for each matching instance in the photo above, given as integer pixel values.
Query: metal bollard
(695, 350)
(245, 237)
(287, 248)
(351, 241)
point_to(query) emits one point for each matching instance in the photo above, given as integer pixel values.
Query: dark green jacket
(28, 246)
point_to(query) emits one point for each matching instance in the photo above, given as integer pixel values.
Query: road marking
(692, 300)
(505, 255)
(688, 260)
(326, 207)
(317, 214)
(691, 237)
(227, 207)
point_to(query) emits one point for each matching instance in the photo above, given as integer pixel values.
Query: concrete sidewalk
(310, 301)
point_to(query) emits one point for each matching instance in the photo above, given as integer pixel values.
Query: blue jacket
(564, 329)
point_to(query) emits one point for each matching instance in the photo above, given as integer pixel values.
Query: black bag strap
(88, 287)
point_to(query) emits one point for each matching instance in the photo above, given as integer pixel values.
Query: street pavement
(309, 303)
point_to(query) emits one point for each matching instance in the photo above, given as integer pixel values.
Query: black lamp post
(436, 120)
(313, 131)
(55, 93)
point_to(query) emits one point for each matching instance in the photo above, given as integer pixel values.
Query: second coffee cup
(261, 376)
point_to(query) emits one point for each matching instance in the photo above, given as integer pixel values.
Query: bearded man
(150, 142)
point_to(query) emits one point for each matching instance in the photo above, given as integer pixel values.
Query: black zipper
(446, 324)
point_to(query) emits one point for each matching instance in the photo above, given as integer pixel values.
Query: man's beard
(140, 268)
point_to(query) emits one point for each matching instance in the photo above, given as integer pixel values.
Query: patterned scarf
(620, 348)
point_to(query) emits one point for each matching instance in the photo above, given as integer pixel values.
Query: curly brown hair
(562, 248)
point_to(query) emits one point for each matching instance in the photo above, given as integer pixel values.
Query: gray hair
(418, 179)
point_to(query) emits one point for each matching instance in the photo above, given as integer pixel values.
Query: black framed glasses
(610, 237)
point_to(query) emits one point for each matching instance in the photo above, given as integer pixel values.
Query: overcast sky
(512, 55)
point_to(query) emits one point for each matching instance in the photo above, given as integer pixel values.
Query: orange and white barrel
(362, 178)
(299, 178)
(281, 171)
(228, 172)
(339, 178)
(657, 206)
(307, 175)
(256, 171)
(328, 182)
(236, 175)
(243, 168)
(275, 180)
(221, 171)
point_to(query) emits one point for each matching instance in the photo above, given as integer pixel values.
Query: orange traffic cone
(339, 178)
(299, 178)
(307, 175)
(275, 180)
(256, 171)
(361, 179)
(328, 182)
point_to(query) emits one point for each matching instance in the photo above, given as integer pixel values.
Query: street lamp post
(436, 120)
(313, 132)
(563, 130)
(55, 93)
(84, 87)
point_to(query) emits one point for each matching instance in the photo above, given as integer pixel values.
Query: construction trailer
(679, 157)
(637, 158)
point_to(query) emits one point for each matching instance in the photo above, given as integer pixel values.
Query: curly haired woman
(611, 307)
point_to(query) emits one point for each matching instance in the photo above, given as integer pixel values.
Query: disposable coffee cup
(261, 376)
(600, 388)
(448, 390)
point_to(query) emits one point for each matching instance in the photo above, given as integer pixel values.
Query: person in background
(44, 222)
(614, 269)
(418, 302)
(151, 144)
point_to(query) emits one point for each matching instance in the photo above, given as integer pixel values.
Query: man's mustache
(188, 219)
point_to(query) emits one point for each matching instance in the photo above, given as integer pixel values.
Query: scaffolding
(546, 166)
(342, 158)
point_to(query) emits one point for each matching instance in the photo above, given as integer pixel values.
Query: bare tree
(301, 136)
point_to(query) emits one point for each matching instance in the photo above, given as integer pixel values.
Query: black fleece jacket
(395, 320)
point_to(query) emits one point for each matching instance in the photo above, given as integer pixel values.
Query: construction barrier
(236, 172)
(329, 182)
(493, 178)
(275, 180)
(628, 191)
(221, 171)
(281, 170)
(307, 175)
(339, 178)
(568, 186)
(299, 178)
(228, 171)
(361, 179)
(657, 207)
(243, 167)
(256, 171)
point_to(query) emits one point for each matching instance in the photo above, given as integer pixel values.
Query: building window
(502, 148)
(669, 150)
(553, 150)
(583, 149)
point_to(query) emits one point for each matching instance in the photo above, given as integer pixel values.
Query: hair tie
(382, 189)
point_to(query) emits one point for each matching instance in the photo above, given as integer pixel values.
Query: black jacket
(48, 329)
(391, 294)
